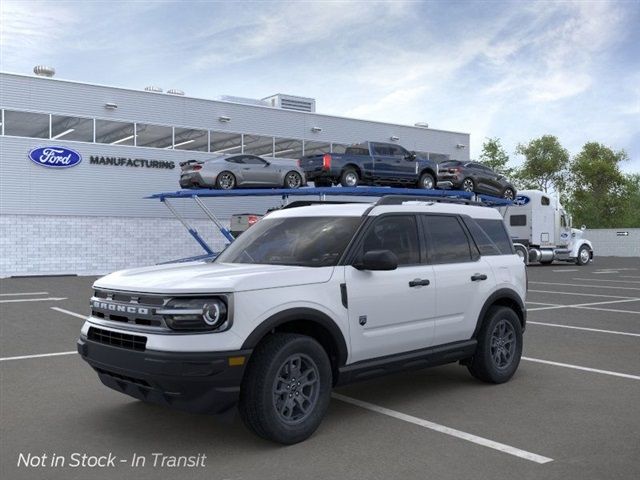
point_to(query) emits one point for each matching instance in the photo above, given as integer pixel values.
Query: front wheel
(584, 255)
(226, 180)
(468, 185)
(427, 182)
(499, 346)
(293, 180)
(286, 390)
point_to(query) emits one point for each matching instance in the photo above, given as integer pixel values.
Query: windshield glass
(300, 241)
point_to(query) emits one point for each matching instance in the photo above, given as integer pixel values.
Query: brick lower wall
(52, 245)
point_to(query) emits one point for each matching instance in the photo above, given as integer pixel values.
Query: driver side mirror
(377, 260)
(410, 156)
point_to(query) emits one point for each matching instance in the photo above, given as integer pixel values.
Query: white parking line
(22, 293)
(614, 332)
(48, 299)
(446, 430)
(629, 276)
(606, 272)
(568, 270)
(578, 367)
(579, 294)
(41, 355)
(605, 280)
(609, 310)
(586, 305)
(73, 314)
(583, 285)
(533, 303)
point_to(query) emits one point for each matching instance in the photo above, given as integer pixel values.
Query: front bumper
(197, 382)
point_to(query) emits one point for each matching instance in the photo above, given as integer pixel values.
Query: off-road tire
(483, 365)
(258, 400)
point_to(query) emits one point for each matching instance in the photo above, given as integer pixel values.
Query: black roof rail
(306, 203)
(400, 199)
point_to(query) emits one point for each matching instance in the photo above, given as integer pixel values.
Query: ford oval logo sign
(521, 200)
(55, 157)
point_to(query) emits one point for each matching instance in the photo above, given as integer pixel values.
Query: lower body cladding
(198, 382)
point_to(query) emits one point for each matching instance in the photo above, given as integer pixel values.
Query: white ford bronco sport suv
(310, 298)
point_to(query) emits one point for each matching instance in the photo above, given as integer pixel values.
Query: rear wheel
(286, 390)
(427, 182)
(226, 180)
(293, 180)
(349, 178)
(584, 255)
(468, 185)
(508, 193)
(499, 346)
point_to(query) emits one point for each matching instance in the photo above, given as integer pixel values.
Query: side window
(545, 201)
(518, 220)
(448, 240)
(397, 233)
(497, 234)
(235, 160)
(251, 160)
(398, 152)
(381, 149)
(563, 221)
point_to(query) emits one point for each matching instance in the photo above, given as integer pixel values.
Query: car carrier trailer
(320, 195)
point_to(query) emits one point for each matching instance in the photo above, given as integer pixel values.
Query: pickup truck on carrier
(371, 163)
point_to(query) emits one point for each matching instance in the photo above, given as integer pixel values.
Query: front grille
(117, 339)
(129, 307)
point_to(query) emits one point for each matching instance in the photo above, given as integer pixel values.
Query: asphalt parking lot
(572, 411)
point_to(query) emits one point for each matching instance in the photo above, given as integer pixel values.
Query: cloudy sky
(515, 70)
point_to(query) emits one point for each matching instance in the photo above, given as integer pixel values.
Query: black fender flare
(502, 294)
(297, 314)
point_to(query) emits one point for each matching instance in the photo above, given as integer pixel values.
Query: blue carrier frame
(196, 195)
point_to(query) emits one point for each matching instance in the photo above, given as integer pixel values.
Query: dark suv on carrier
(475, 177)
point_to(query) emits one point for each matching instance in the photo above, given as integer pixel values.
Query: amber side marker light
(236, 361)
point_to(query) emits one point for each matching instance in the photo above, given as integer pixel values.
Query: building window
(191, 139)
(258, 145)
(114, 133)
(226, 143)
(287, 148)
(71, 128)
(26, 124)
(155, 136)
(316, 148)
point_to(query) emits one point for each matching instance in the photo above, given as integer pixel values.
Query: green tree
(600, 193)
(631, 199)
(495, 157)
(545, 164)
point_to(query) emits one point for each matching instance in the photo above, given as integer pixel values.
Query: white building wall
(613, 242)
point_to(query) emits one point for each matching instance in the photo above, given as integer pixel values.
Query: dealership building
(92, 217)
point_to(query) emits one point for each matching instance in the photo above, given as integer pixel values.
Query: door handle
(418, 282)
(478, 276)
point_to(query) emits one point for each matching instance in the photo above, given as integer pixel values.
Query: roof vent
(153, 88)
(291, 102)
(44, 71)
(175, 91)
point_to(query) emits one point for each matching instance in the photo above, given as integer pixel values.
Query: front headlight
(210, 314)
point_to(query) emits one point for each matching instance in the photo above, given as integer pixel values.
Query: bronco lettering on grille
(114, 307)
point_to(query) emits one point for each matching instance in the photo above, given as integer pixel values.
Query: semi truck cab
(542, 230)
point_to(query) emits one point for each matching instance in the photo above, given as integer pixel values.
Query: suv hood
(203, 277)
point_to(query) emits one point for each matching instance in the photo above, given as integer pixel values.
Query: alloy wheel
(293, 180)
(351, 179)
(503, 344)
(508, 194)
(467, 185)
(226, 181)
(427, 182)
(296, 388)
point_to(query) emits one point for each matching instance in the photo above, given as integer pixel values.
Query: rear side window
(357, 151)
(397, 233)
(518, 220)
(493, 240)
(448, 240)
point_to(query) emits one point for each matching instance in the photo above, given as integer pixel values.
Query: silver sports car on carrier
(227, 172)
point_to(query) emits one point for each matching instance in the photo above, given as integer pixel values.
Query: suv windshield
(300, 241)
